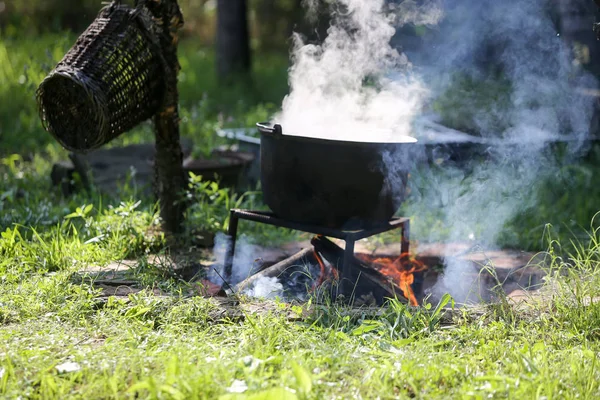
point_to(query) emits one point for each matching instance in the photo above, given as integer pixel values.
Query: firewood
(282, 268)
(370, 279)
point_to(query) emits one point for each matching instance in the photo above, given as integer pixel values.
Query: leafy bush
(23, 65)
(470, 103)
(210, 204)
(567, 201)
(208, 212)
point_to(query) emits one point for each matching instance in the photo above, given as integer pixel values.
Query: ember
(325, 272)
(400, 270)
(354, 277)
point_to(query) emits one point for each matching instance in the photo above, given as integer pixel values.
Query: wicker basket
(110, 80)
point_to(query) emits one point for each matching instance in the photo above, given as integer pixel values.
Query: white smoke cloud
(355, 81)
(357, 86)
(267, 288)
(298, 279)
(244, 260)
(520, 37)
(428, 13)
(542, 106)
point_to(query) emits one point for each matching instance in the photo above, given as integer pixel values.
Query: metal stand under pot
(349, 236)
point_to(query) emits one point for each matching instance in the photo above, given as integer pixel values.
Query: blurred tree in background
(576, 18)
(233, 40)
(271, 22)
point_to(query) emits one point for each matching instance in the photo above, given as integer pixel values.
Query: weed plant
(60, 339)
(59, 342)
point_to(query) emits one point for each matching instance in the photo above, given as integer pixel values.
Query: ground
(61, 338)
(59, 342)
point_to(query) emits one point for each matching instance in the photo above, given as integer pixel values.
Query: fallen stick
(371, 280)
(303, 257)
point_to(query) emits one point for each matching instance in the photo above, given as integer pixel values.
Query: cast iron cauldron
(333, 183)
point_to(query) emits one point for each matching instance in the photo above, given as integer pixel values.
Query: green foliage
(470, 103)
(120, 231)
(210, 204)
(402, 324)
(198, 81)
(23, 65)
(40, 231)
(208, 212)
(38, 16)
(205, 105)
(566, 201)
(35, 17)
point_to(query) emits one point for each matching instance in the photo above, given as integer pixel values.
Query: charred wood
(282, 269)
(370, 279)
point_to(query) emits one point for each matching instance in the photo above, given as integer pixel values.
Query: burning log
(400, 270)
(281, 269)
(381, 286)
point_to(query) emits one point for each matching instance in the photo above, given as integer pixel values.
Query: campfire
(399, 270)
(379, 276)
(352, 193)
(346, 274)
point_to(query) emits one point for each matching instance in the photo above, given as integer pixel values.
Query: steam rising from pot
(355, 81)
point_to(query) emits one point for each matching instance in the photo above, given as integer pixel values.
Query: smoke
(245, 260)
(295, 283)
(266, 288)
(357, 85)
(312, 9)
(520, 40)
(298, 279)
(427, 13)
(245, 264)
(355, 81)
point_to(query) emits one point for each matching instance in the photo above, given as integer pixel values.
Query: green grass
(205, 105)
(172, 347)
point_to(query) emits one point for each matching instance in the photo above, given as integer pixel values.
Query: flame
(400, 270)
(324, 271)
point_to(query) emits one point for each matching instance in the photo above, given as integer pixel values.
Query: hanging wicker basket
(110, 80)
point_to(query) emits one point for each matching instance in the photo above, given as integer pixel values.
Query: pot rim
(275, 130)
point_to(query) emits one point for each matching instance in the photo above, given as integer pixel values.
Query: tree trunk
(168, 163)
(576, 22)
(233, 39)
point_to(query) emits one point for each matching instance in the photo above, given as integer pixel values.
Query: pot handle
(270, 129)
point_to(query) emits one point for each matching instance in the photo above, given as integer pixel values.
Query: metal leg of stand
(346, 273)
(229, 252)
(405, 240)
